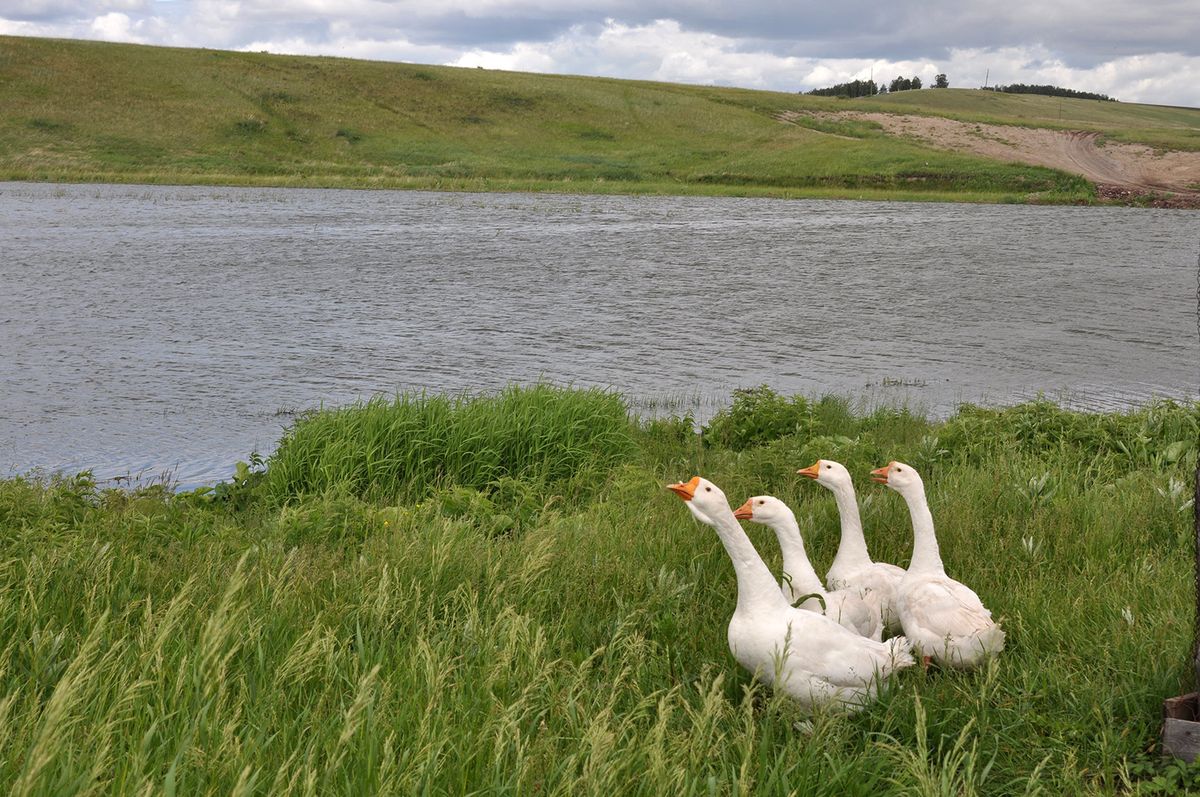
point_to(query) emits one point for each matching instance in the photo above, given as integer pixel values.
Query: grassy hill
(91, 111)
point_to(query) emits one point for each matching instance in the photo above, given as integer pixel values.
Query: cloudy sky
(1145, 51)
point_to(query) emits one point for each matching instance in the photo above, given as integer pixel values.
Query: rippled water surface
(148, 329)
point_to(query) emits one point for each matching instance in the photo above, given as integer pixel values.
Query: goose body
(944, 618)
(845, 606)
(853, 568)
(806, 655)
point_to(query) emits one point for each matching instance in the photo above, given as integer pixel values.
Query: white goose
(944, 618)
(806, 655)
(853, 567)
(844, 606)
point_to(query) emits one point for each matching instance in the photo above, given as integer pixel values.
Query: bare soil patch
(1128, 173)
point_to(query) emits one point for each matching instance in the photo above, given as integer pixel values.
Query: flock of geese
(827, 650)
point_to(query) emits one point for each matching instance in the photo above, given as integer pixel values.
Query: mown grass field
(92, 111)
(497, 596)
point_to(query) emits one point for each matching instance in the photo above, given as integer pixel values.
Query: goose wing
(945, 606)
(834, 654)
(878, 577)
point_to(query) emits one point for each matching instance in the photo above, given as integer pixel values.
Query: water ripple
(165, 328)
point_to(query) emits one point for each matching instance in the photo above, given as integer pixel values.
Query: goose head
(703, 498)
(766, 509)
(829, 474)
(902, 478)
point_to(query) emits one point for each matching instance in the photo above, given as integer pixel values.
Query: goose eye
(760, 503)
(828, 467)
(708, 489)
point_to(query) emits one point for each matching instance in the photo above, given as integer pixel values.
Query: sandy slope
(1117, 169)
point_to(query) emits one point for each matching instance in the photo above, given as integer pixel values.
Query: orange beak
(812, 471)
(881, 474)
(745, 511)
(686, 491)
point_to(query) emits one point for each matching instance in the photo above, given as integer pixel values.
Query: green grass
(342, 642)
(407, 447)
(92, 111)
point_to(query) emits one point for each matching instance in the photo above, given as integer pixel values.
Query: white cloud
(115, 27)
(1163, 78)
(1135, 52)
(661, 50)
(17, 27)
(347, 46)
(521, 58)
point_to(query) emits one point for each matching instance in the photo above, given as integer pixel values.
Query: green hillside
(91, 111)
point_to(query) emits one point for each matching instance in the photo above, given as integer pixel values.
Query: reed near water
(407, 447)
(360, 617)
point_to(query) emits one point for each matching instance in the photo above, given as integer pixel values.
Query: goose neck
(852, 549)
(756, 587)
(801, 578)
(926, 558)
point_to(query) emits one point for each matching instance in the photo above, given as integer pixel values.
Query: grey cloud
(1082, 34)
(65, 10)
(1077, 34)
(458, 29)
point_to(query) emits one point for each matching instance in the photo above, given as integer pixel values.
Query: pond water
(176, 329)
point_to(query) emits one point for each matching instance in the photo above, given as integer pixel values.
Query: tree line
(869, 88)
(855, 88)
(1051, 91)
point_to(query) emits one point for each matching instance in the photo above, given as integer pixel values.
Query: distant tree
(905, 84)
(855, 88)
(940, 82)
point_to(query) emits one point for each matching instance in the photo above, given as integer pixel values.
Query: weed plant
(358, 626)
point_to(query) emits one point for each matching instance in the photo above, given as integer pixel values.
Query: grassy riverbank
(499, 596)
(91, 111)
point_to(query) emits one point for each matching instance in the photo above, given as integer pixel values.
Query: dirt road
(1120, 171)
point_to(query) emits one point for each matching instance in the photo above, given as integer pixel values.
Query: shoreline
(640, 410)
(1107, 195)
